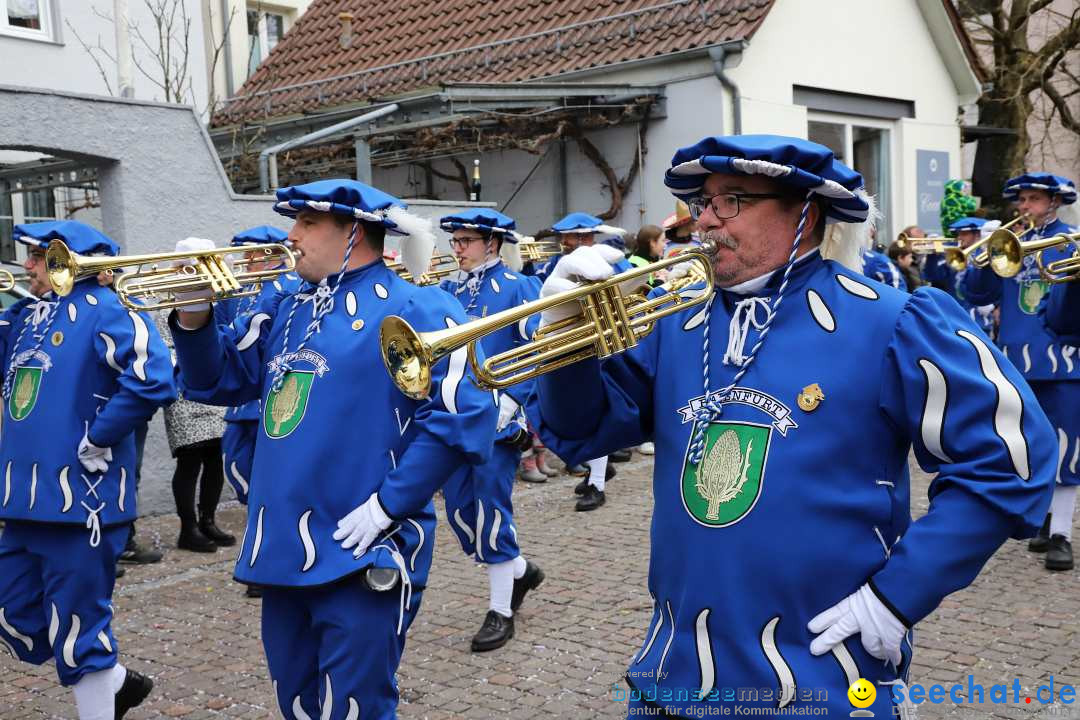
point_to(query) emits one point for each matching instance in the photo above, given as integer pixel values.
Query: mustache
(720, 238)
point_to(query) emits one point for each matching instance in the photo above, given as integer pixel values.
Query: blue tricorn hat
(584, 223)
(967, 223)
(79, 237)
(805, 166)
(483, 219)
(1062, 187)
(260, 235)
(366, 204)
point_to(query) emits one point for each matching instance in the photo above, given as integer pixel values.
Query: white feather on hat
(511, 255)
(1069, 214)
(419, 244)
(845, 241)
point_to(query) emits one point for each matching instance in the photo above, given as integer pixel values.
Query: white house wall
(65, 66)
(882, 49)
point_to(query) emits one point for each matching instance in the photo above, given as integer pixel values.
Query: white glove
(95, 459)
(362, 526)
(860, 612)
(191, 244)
(588, 262)
(508, 408)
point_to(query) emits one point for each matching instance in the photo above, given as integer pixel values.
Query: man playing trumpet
(82, 372)
(340, 521)
(780, 528)
(1050, 367)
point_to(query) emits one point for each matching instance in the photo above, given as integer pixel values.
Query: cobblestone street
(187, 624)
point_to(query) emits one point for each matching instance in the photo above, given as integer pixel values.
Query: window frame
(263, 35)
(44, 34)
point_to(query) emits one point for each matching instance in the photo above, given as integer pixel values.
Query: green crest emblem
(1031, 292)
(24, 392)
(725, 485)
(285, 408)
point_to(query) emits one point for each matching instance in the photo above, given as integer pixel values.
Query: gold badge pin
(357, 324)
(810, 397)
(57, 338)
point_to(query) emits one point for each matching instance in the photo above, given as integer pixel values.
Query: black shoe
(620, 456)
(529, 581)
(494, 633)
(609, 472)
(135, 554)
(591, 500)
(1059, 554)
(134, 690)
(209, 528)
(580, 488)
(253, 591)
(191, 538)
(120, 571)
(1041, 542)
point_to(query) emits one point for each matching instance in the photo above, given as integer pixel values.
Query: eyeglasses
(725, 205)
(461, 242)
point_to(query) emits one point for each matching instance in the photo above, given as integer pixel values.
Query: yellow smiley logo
(861, 694)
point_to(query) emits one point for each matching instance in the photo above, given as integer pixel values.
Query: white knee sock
(519, 566)
(597, 472)
(1061, 510)
(501, 581)
(94, 693)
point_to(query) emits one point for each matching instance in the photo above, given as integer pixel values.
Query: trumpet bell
(62, 266)
(1005, 252)
(406, 357)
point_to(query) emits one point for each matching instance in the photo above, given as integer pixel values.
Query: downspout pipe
(268, 176)
(719, 55)
(226, 26)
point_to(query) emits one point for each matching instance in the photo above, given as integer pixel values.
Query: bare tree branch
(90, 51)
(1065, 114)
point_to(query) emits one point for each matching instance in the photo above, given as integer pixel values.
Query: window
(26, 18)
(265, 30)
(864, 145)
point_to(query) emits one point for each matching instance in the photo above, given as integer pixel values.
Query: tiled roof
(399, 46)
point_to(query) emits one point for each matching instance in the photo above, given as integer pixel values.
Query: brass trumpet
(975, 253)
(612, 322)
(8, 280)
(156, 288)
(538, 251)
(926, 245)
(1007, 253)
(441, 266)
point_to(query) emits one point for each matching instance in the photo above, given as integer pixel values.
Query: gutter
(268, 176)
(719, 55)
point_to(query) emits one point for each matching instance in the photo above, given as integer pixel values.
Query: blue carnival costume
(793, 449)
(478, 497)
(242, 422)
(938, 273)
(1050, 367)
(1060, 313)
(335, 432)
(879, 267)
(79, 367)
